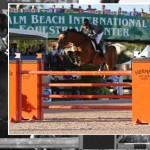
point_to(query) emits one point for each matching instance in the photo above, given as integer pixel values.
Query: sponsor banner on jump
(116, 27)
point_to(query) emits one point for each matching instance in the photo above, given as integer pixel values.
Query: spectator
(34, 49)
(76, 90)
(12, 49)
(61, 52)
(30, 50)
(119, 11)
(54, 10)
(61, 59)
(120, 88)
(134, 12)
(142, 12)
(72, 77)
(54, 51)
(27, 51)
(117, 79)
(16, 48)
(43, 50)
(49, 79)
(52, 59)
(103, 9)
(46, 63)
(54, 89)
(80, 10)
(62, 9)
(89, 8)
(40, 48)
(71, 10)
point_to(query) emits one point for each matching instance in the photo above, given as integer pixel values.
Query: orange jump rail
(85, 84)
(81, 73)
(127, 107)
(86, 96)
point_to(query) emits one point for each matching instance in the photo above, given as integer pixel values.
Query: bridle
(64, 39)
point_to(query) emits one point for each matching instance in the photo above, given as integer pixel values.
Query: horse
(85, 51)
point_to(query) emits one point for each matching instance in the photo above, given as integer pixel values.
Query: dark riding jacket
(89, 32)
(92, 31)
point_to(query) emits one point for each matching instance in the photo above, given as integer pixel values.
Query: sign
(140, 91)
(116, 27)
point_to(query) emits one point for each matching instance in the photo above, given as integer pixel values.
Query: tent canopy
(20, 34)
(145, 52)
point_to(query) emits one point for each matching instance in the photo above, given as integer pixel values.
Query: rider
(89, 30)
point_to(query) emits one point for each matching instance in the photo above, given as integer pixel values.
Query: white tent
(145, 52)
(21, 34)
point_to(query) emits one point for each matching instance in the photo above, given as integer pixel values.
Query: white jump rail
(72, 142)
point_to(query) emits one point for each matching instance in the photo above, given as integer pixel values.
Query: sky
(112, 7)
(121, 1)
(130, 4)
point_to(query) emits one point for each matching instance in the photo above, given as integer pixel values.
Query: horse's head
(79, 41)
(70, 35)
(62, 39)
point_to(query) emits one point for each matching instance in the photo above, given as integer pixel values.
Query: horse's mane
(79, 32)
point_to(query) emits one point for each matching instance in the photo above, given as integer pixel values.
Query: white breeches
(99, 37)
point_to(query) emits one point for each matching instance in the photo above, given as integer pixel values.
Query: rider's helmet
(86, 21)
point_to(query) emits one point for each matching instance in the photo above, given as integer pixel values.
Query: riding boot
(100, 48)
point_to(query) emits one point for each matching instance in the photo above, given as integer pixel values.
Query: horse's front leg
(77, 60)
(71, 56)
(103, 67)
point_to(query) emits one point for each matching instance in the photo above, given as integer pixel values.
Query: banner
(116, 27)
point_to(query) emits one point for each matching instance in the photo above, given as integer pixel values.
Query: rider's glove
(90, 35)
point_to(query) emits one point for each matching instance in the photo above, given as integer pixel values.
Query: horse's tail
(113, 56)
(116, 54)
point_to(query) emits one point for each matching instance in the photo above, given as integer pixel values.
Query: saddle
(95, 45)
